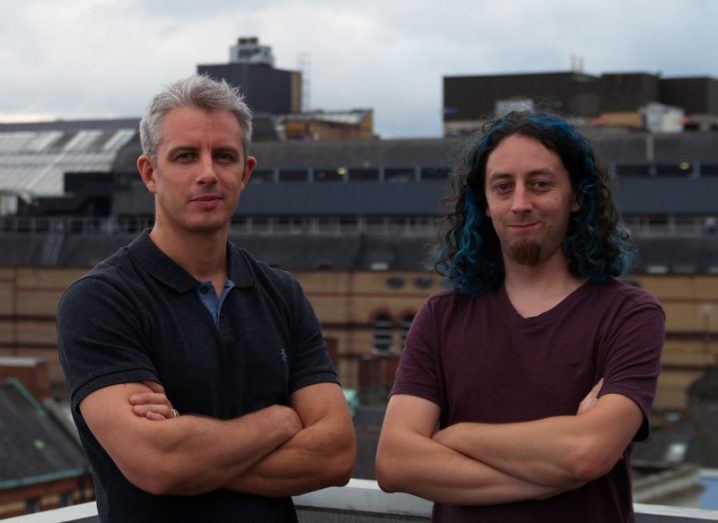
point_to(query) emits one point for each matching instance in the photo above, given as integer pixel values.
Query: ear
(249, 167)
(577, 201)
(147, 172)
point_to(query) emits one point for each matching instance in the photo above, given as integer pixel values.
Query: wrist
(286, 420)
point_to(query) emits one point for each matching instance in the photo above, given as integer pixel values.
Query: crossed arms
(486, 464)
(276, 451)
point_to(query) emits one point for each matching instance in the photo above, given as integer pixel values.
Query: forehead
(520, 155)
(194, 125)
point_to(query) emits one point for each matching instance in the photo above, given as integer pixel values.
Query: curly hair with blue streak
(596, 245)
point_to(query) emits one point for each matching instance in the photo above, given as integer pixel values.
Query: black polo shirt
(137, 316)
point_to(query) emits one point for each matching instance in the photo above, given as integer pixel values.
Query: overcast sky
(106, 58)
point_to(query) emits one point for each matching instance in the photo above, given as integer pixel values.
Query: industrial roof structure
(35, 157)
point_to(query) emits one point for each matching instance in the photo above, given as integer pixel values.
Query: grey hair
(196, 91)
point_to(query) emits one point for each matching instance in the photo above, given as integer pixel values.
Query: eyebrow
(535, 172)
(190, 148)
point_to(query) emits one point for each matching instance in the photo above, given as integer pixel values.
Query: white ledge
(364, 496)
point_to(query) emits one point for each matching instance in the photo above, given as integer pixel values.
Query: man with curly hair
(522, 388)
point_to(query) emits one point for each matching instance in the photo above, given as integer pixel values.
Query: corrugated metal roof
(34, 162)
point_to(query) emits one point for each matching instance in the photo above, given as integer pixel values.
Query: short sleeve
(99, 339)
(310, 363)
(418, 373)
(633, 356)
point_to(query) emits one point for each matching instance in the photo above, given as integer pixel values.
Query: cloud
(93, 58)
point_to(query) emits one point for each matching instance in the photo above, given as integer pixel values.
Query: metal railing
(314, 226)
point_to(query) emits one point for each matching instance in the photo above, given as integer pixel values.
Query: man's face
(530, 199)
(199, 171)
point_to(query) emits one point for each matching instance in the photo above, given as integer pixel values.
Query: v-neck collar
(552, 314)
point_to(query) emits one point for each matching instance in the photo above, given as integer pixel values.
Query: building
(275, 95)
(43, 465)
(357, 124)
(251, 68)
(353, 221)
(635, 100)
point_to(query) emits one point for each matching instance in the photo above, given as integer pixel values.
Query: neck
(535, 289)
(202, 254)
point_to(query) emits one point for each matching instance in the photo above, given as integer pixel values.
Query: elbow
(153, 480)
(386, 473)
(345, 461)
(157, 477)
(589, 462)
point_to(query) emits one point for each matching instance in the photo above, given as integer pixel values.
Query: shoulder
(249, 270)
(106, 273)
(106, 282)
(447, 297)
(625, 294)
(451, 299)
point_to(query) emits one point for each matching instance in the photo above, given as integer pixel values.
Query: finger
(142, 410)
(154, 386)
(154, 416)
(149, 397)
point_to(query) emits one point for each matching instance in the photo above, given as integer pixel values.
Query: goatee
(526, 253)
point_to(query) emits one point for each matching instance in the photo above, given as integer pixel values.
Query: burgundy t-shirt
(479, 360)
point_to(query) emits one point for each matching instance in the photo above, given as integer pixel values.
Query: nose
(205, 170)
(521, 200)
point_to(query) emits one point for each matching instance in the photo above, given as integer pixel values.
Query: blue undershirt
(212, 303)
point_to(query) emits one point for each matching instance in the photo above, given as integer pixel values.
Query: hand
(590, 399)
(154, 405)
(288, 417)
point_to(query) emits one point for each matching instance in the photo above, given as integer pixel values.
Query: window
(404, 326)
(65, 499)
(293, 175)
(435, 174)
(382, 326)
(400, 174)
(330, 175)
(364, 175)
(261, 176)
(395, 282)
(32, 505)
(674, 169)
(642, 169)
(423, 282)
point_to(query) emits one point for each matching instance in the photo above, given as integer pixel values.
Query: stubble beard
(526, 252)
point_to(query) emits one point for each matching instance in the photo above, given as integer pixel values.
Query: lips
(206, 201)
(206, 198)
(523, 226)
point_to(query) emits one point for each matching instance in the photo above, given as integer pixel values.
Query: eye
(543, 185)
(502, 187)
(225, 157)
(185, 156)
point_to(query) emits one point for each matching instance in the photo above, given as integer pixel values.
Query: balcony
(361, 501)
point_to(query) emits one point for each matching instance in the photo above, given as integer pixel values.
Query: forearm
(192, 454)
(539, 451)
(419, 465)
(316, 457)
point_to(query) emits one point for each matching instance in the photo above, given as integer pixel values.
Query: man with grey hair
(182, 321)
